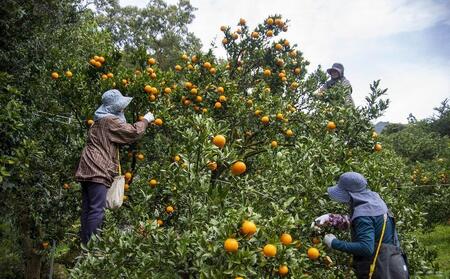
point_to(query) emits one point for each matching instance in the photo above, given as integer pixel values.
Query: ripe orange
(126, 187)
(265, 120)
(178, 68)
(151, 98)
(68, 74)
(248, 228)
(188, 85)
(212, 166)
(177, 158)
(101, 59)
(269, 33)
(167, 90)
(331, 125)
(255, 35)
(258, 112)
(279, 62)
(217, 105)
(213, 71)
(140, 156)
(238, 168)
(289, 133)
(220, 90)
(153, 75)
(55, 75)
(224, 41)
(219, 141)
(153, 182)
(45, 245)
(194, 58)
(293, 53)
(148, 89)
(231, 245)
(222, 98)
(169, 209)
(267, 72)
(378, 147)
(199, 99)
(92, 62)
(249, 103)
(278, 47)
(286, 43)
(283, 270)
(270, 250)
(128, 175)
(194, 91)
(241, 21)
(204, 110)
(160, 222)
(158, 122)
(278, 22)
(235, 36)
(313, 253)
(97, 64)
(223, 28)
(269, 21)
(274, 144)
(279, 116)
(104, 76)
(297, 71)
(184, 57)
(66, 186)
(90, 122)
(286, 239)
(151, 61)
(110, 75)
(207, 65)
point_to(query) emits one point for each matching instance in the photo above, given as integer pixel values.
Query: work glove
(322, 220)
(149, 116)
(328, 239)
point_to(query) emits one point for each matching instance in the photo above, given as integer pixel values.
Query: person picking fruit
(370, 221)
(99, 163)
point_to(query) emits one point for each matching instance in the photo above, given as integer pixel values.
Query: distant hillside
(380, 126)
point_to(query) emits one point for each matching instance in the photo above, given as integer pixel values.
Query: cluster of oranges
(248, 229)
(97, 61)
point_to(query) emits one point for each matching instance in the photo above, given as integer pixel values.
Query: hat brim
(124, 102)
(338, 194)
(332, 69)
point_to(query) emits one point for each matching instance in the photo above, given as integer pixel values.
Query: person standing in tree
(337, 78)
(99, 163)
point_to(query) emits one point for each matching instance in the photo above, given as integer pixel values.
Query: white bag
(114, 197)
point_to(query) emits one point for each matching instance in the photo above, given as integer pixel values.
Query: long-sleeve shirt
(366, 232)
(99, 162)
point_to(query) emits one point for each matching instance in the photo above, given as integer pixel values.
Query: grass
(439, 240)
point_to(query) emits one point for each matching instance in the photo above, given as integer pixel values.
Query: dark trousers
(93, 208)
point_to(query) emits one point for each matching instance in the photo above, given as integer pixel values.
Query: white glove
(328, 239)
(149, 116)
(320, 221)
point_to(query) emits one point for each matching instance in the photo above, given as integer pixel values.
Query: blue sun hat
(352, 188)
(348, 182)
(113, 104)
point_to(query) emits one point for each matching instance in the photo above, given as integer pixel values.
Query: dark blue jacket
(366, 232)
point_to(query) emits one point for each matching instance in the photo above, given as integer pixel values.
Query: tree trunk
(32, 260)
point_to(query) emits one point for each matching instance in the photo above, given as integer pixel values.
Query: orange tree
(227, 180)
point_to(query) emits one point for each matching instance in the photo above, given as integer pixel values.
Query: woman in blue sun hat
(368, 216)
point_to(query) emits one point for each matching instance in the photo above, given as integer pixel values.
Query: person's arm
(364, 239)
(124, 133)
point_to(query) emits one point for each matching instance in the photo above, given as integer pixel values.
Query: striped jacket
(99, 162)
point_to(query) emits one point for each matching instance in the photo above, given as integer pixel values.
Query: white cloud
(355, 33)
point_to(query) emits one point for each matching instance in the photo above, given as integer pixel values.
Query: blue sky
(405, 43)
